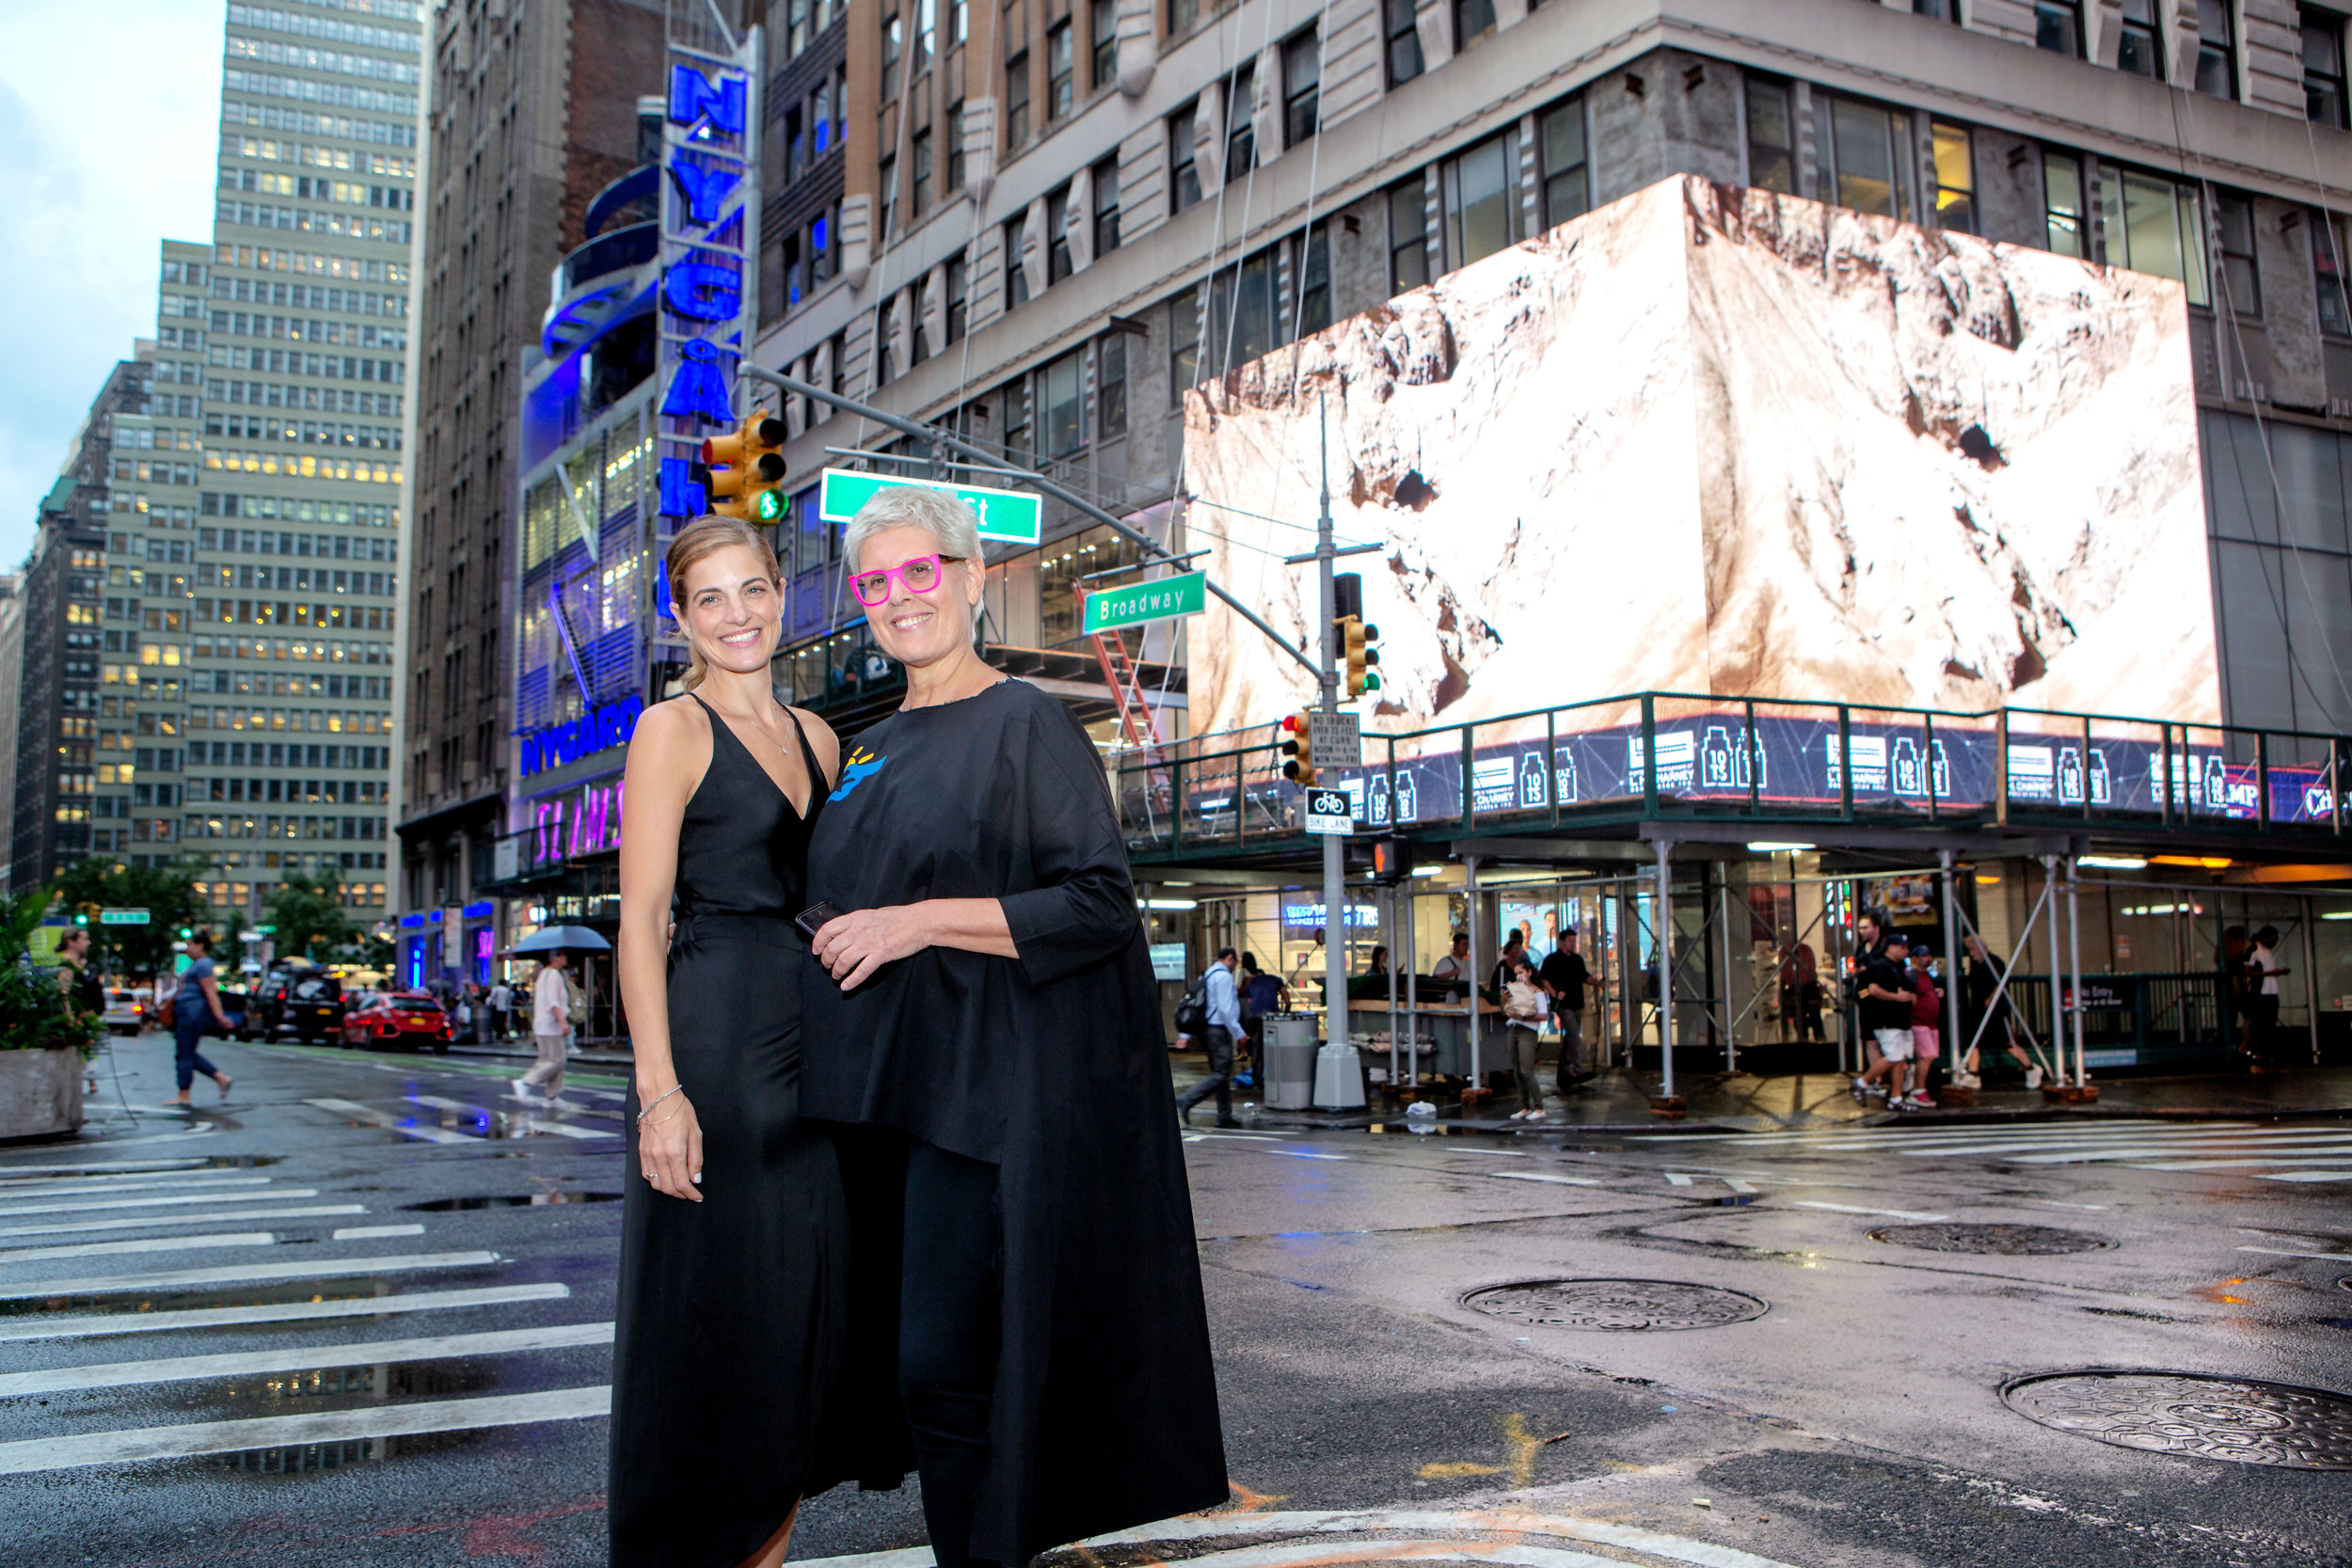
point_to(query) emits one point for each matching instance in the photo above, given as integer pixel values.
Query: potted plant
(42, 1046)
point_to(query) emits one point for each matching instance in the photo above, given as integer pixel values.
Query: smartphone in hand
(812, 919)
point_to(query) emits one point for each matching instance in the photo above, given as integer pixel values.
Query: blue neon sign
(559, 745)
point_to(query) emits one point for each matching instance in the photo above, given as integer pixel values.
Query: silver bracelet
(656, 1100)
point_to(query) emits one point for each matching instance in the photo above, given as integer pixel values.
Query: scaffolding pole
(1663, 922)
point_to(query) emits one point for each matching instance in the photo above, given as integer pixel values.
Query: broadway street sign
(1138, 602)
(1006, 515)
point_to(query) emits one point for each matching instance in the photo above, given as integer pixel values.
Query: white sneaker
(2033, 1078)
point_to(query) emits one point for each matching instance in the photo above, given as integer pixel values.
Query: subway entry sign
(1137, 602)
(1006, 515)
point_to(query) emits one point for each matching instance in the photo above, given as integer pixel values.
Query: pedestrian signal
(1300, 768)
(746, 468)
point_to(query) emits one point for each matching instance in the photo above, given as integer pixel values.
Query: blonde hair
(947, 520)
(704, 537)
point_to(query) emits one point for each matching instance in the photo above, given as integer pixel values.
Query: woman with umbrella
(988, 1033)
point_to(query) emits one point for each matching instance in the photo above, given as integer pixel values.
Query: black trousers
(1220, 1079)
(949, 1285)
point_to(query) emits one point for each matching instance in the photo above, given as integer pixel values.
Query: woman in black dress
(1024, 1273)
(732, 1269)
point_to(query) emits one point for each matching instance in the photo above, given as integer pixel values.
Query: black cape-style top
(1054, 1066)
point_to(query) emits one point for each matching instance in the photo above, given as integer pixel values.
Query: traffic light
(746, 468)
(81, 917)
(1296, 746)
(1359, 659)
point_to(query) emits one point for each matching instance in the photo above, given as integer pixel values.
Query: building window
(1184, 345)
(1942, 10)
(1184, 167)
(2063, 204)
(822, 229)
(2155, 226)
(1772, 137)
(2057, 24)
(1408, 237)
(1479, 192)
(959, 291)
(920, 150)
(1183, 17)
(2323, 67)
(1955, 163)
(926, 34)
(959, 22)
(1302, 86)
(955, 146)
(1567, 170)
(1244, 318)
(1058, 236)
(1311, 283)
(1403, 34)
(888, 180)
(2139, 51)
(2328, 266)
(1061, 385)
(1865, 155)
(1105, 186)
(795, 27)
(1103, 33)
(893, 39)
(1474, 19)
(2233, 228)
(1110, 386)
(1241, 125)
(1015, 399)
(2216, 49)
(884, 371)
(1017, 102)
(1060, 66)
(1016, 275)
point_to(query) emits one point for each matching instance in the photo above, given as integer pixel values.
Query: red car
(398, 1018)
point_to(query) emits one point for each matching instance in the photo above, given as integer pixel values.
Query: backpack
(1192, 1013)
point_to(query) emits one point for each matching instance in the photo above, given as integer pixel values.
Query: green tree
(309, 915)
(32, 1009)
(166, 893)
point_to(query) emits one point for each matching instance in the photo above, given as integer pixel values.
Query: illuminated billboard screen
(1723, 442)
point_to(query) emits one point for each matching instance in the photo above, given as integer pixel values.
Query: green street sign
(122, 917)
(1006, 515)
(1185, 593)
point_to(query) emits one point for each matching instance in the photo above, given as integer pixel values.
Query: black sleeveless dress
(730, 1319)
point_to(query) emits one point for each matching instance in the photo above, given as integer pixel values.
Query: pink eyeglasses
(921, 575)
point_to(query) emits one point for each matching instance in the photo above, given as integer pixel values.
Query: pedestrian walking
(196, 1003)
(1261, 993)
(1986, 1018)
(1886, 1009)
(731, 1336)
(992, 1043)
(84, 995)
(2263, 970)
(1224, 1031)
(1925, 1026)
(1565, 974)
(1524, 1003)
(550, 1020)
(501, 1011)
(1514, 949)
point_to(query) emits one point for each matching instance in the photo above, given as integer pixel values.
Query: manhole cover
(1623, 1305)
(2210, 1417)
(2009, 1241)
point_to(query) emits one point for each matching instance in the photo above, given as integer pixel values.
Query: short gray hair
(947, 520)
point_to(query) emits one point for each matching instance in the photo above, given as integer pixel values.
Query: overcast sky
(107, 141)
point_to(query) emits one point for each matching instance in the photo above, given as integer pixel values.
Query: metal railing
(1662, 754)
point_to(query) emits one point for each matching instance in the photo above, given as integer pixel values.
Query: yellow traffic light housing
(1299, 748)
(1358, 658)
(746, 468)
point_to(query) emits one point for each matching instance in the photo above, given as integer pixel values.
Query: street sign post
(1186, 593)
(1328, 812)
(122, 917)
(1335, 740)
(1006, 515)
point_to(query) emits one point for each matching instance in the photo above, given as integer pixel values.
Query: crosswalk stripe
(143, 1168)
(2289, 1252)
(552, 1110)
(410, 1127)
(183, 1369)
(1539, 1176)
(2305, 1176)
(78, 1186)
(2157, 1151)
(145, 1243)
(2232, 1140)
(1889, 1214)
(2331, 1157)
(89, 1205)
(211, 1216)
(244, 1273)
(327, 1426)
(369, 1233)
(274, 1312)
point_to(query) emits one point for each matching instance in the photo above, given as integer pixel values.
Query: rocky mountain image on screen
(1715, 441)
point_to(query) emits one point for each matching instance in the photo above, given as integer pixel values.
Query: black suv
(305, 1003)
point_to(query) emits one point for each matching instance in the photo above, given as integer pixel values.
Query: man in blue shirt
(1225, 1032)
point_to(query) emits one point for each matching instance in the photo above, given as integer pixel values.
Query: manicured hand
(852, 946)
(670, 1149)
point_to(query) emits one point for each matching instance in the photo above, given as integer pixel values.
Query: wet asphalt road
(1855, 1416)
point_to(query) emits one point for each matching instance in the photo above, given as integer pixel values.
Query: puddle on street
(129, 1304)
(314, 1458)
(509, 1201)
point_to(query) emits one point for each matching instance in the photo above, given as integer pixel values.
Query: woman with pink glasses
(986, 1031)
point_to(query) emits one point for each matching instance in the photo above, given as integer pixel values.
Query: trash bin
(1289, 1042)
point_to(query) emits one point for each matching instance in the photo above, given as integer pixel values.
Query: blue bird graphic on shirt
(863, 765)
